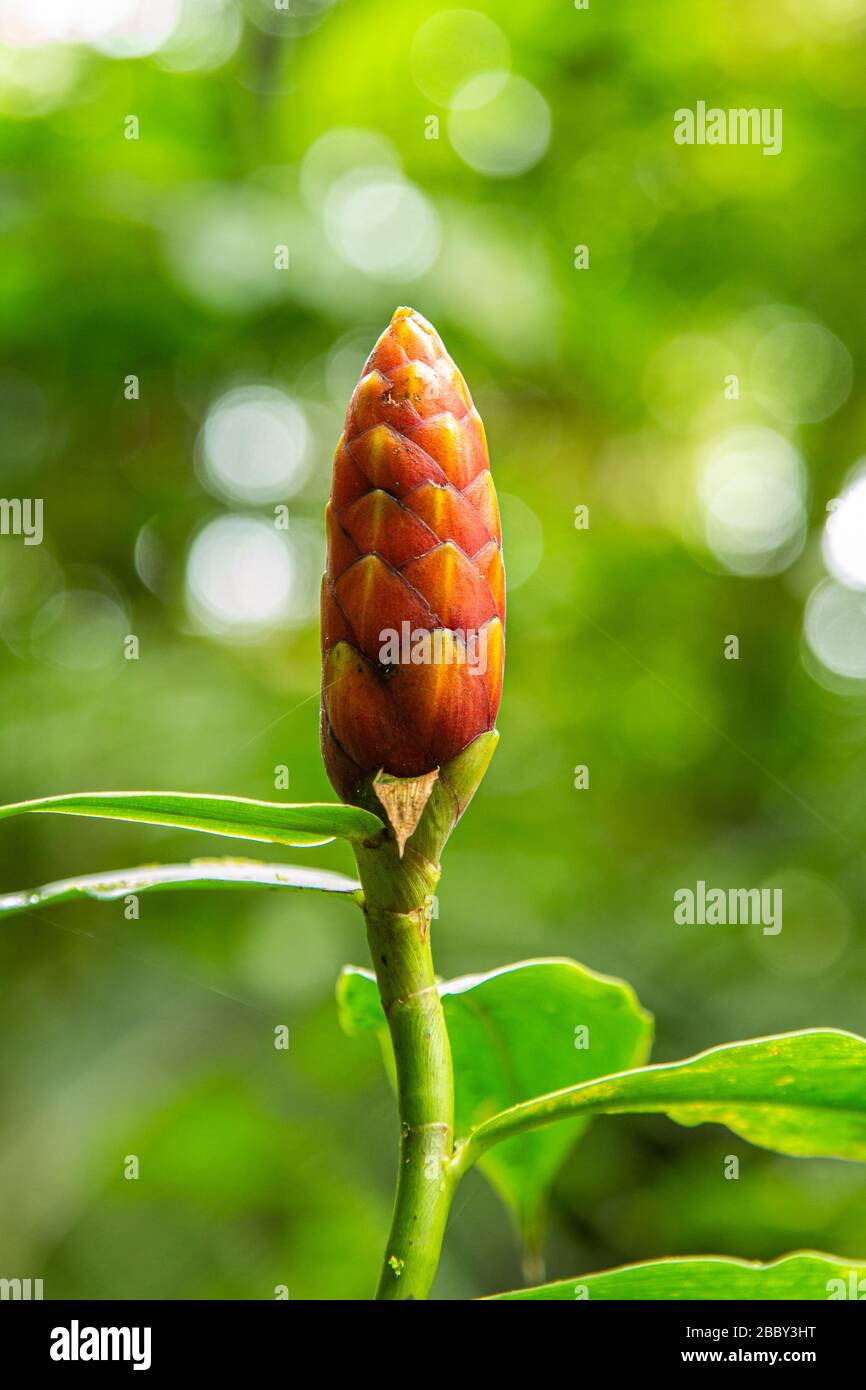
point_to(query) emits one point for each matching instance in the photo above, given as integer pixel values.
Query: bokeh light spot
(382, 225)
(338, 152)
(80, 629)
(801, 372)
(752, 486)
(242, 578)
(253, 445)
(845, 536)
(816, 925)
(220, 243)
(118, 28)
(835, 629)
(450, 49)
(34, 81)
(499, 127)
(206, 36)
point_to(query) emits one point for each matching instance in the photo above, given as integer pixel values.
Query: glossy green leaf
(512, 1032)
(200, 873)
(797, 1093)
(273, 822)
(805, 1275)
(358, 1004)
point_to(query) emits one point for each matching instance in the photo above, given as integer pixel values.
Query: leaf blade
(198, 874)
(512, 1029)
(800, 1093)
(802, 1275)
(239, 817)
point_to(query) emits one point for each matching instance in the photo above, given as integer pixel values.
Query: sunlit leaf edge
(197, 874)
(271, 822)
(370, 1019)
(696, 1276)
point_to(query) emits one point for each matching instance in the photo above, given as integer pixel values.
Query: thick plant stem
(397, 903)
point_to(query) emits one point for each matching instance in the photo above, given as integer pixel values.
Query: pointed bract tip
(404, 800)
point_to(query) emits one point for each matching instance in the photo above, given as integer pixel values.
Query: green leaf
(200, 873)
(797, 1093)
(274, 822)
(513, 1031)
(358, 1005)
(805, 1275)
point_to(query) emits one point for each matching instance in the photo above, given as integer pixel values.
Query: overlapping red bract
(413, 536)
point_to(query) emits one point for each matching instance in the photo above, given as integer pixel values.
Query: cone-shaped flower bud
(413, 601)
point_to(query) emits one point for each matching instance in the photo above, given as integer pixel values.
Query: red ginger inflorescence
(413, 600)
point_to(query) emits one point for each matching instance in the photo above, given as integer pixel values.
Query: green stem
(397, 904)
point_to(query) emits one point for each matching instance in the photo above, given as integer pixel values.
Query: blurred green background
(717, 507)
